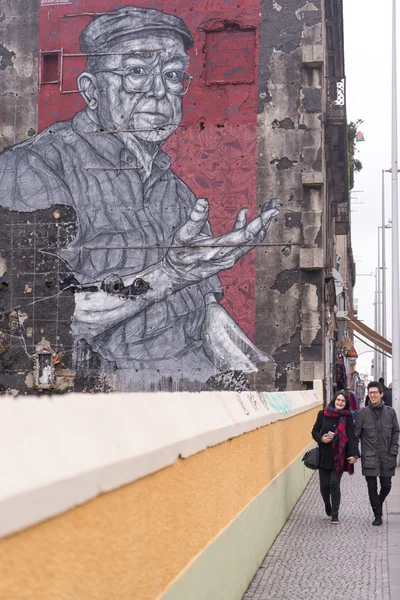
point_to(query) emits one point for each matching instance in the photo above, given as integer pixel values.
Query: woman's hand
(326, 438)
(352, 460)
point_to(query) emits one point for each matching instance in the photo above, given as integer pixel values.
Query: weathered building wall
(95, 265)
(290, 277)
(19, 25)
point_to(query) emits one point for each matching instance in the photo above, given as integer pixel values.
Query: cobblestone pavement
(312, 559)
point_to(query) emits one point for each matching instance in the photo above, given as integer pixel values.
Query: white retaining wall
(57, 452)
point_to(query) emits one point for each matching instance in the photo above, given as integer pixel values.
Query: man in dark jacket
(387, 396)
(378, 429)
(382, 382)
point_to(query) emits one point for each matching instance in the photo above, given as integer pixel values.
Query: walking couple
(377, 428)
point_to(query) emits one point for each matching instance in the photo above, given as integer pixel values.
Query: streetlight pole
(378, 308)
(384, 364)
(395, 225)
(375, 326)
(384, 227)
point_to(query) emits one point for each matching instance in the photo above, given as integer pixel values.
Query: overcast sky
(368, 76)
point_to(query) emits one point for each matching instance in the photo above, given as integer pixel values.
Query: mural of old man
(144, 263)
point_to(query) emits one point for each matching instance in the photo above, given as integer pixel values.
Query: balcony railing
(342, 218)
(335, 97)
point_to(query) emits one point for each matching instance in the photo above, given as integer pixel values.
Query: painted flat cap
(124, 24)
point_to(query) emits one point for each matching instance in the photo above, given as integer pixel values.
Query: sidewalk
(312, 559)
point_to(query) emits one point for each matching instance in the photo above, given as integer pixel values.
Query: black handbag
(311, 459)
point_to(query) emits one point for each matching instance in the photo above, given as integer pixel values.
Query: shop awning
(375, 338)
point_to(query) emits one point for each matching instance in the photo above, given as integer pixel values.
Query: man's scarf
(340, 438)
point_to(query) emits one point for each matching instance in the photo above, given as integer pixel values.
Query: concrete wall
(172, 498)
(82, 217)
(290, 278)
(19, 24)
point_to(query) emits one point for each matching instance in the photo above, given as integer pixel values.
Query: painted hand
(195, 256)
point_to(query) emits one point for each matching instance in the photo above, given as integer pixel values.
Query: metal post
(378, 302)
(395, 225)
(375, 326)
(384, 365)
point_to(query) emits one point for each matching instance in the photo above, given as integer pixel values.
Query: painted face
(153, 65)
(375, 395)
(340, 402)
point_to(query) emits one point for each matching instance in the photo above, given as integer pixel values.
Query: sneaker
(377, 521)
(335, 520)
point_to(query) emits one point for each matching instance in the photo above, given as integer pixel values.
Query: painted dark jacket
(323, 425)
(67, 164)
(378, 430)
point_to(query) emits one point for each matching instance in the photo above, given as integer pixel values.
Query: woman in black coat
(338, 450)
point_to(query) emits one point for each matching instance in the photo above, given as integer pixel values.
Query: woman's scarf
(340, 438)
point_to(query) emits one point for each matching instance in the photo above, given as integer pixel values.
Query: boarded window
(50, 67)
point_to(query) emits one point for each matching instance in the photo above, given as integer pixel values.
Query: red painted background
(215, 149)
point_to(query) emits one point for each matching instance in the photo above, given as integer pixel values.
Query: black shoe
(335, 520)
(377, 521)
(328, 510)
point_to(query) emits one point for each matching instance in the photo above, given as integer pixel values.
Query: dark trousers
(329, 482)
(376, 499)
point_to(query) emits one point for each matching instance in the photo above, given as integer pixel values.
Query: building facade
(173, 177)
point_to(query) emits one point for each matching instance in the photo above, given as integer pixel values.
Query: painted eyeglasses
(140, 79)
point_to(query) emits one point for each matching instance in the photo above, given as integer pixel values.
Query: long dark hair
(345, 396)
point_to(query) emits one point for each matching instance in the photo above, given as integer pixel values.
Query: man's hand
(195, 256)
(352, 460)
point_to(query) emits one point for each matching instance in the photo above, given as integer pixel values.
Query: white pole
(395, 233)
(384, 374)
(378, 303)
(375, 374)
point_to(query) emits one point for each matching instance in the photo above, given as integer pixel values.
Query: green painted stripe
(225, 568)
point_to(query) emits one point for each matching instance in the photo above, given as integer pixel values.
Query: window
(50, 67)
